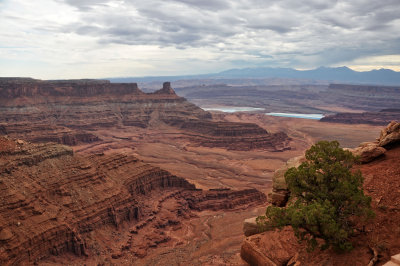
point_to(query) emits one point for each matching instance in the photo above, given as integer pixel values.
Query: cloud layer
(101, 38)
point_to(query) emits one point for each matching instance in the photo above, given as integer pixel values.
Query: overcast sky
(99, 38)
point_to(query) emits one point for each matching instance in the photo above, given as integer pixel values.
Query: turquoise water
(232, 109)
(306, 116)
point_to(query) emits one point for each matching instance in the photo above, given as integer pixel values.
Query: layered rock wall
(364, 89)
(70, 112)
(11, 89)
(234, 136)
(382, 117)
(51, 199)
(362, 97)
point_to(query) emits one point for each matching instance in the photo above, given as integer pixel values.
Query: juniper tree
(326, 197)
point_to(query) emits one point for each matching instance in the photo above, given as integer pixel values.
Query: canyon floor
(221, 168)
(205, 238)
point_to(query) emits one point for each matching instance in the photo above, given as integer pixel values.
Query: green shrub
(326, 197)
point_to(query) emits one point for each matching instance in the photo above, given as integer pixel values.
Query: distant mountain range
(338, 74)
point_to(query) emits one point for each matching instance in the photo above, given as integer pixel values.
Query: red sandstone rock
(390, 135)
(234, 136)
(280, 194)
(223, 199)
(250, 226)
(382, 184)
(166, 89)
(270, 248)
(368, 151)
(53, 202)
(70, 112)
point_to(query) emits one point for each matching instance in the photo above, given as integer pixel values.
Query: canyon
(54, 202)
(146, 178)
(289, 96)
(96, 199)
(69, 112)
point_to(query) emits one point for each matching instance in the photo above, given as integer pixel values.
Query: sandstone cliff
(54, 202)
(70, 112)
(382, 117)
(362, 97)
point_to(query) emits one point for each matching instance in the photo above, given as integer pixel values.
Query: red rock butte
(71, 111)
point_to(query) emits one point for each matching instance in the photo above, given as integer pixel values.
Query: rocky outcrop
(166, 89)
(368, 151)
(390, 135)
(382, 117)
(70, 112)
(250, 226)
(12, 89)
(53, 201)
(280, 194)
(270, 248)
(375, 242)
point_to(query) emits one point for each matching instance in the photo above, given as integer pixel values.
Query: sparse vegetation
(326, 199)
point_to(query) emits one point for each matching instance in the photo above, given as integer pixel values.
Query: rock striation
(363, 97)
(382, 117)
(373, 90)
(234, 136)
(217, 199)
(71, 111)
(53, 201)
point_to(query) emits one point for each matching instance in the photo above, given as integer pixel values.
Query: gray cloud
(286, 33)
(192, 23)
(206, 4)
(85, 5)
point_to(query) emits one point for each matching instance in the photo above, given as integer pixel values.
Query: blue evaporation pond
(232, 109)
(306, 116)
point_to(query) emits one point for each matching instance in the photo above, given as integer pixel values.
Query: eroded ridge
(53, 202)
(73, 112)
